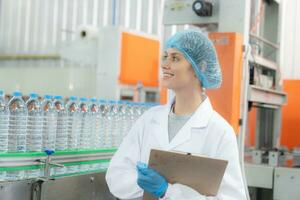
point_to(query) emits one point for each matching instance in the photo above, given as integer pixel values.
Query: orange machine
(290, 136)
(128, 64)
(226, 100)
(139, 60)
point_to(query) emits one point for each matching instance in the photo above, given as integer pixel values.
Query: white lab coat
(205, 133)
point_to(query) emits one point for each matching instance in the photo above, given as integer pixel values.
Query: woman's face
(177, 71)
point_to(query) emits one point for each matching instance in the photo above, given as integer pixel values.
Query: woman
(187, 124)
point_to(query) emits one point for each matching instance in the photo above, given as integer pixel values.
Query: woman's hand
(151, 181)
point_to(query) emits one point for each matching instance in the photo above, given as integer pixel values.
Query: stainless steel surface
(265, 131)
(86, 187)
(273, 158)
(276, 158)
(83, 187)
(263, 62)
(266, 96)
(21, 161)
(257, 156)
(260, 176)
(286, 183)
(264, 40)
(82, 157)
(20, 190)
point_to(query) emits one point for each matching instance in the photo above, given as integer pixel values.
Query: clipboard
(203, 174)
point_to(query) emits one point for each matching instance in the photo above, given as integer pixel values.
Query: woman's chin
(166, 84)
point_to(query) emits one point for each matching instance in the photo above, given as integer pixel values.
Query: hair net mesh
(200, 52)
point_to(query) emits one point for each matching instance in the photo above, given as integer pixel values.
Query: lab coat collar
(199, 119)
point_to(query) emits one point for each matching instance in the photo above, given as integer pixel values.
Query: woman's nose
(165, 64)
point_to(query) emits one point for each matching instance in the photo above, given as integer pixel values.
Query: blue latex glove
(151, 181)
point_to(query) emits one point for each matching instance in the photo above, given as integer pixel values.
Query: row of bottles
(52, 123)
(35, 125)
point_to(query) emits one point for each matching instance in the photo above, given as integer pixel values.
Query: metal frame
(42, 187)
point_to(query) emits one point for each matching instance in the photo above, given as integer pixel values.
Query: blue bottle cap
(120, 102)
(1, 92)
(48, 97)
(112, 102)
(17, 94)
(33, 95)
(83, 99)
(58, 97)
(73, 98)
(93, 100)
(102, 101)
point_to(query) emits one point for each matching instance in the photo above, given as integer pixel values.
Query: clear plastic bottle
(85, 129)
(34, 130)
(17, 123)
(4, 122)
(122, 124)
(61, 142)
(49, 123)
(74, 123)
(95, 124)
(128, 116)
(85, 124)
(134, 112)
(34, 123)
(17, 130)
(137, 110)
(113, 124)
(103, 109)
(73, 128)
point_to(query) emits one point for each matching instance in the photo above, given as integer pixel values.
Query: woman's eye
(175, 59)
(164, 57)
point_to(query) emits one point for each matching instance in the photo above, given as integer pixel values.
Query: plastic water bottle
(49, 123)
(17, 123)
(17, 130)
(129, 116)
(103, 135)
(112, 124)
(34, 130)
(74, 123)
(85, 124)
(73, 128)
(108, 122)
(122, 125)
(34, 124)
(95, 124)
(137, 110)
(145, 107)
(61, 142)
(85, 129)
(4, 122)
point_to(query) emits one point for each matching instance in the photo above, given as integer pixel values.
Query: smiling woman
(177, 71)
(188, 124)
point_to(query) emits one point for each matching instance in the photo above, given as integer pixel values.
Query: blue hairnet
(200, 52)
